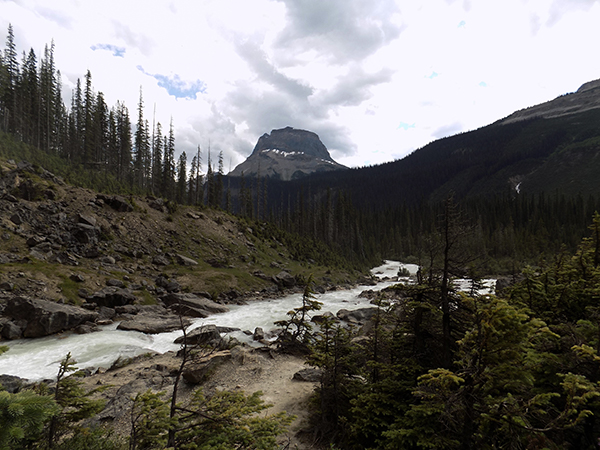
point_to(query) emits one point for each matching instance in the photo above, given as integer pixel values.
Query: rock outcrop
(287, 154)
(37, 318)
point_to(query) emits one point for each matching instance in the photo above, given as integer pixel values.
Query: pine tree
(181, 178)
(10, 82)
(168, 176)
(89, 106)
(29, 110)
(142, 148)
(50, 101)
(157, 166)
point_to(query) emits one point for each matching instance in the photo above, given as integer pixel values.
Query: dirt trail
(249, 370)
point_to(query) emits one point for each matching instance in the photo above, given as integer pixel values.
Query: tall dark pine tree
(76, 126)
(89, 106)
(29, 101)
(142, 158)
(218, 188)
(196, 182)
(101, 133)
(210, 185)
(50, 102)
(9, 83)
(181, 178)
(169, 165)
(157, 157)
(124, 144)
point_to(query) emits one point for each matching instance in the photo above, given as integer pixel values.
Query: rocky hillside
(587, 97)
(287, 154)
(63, 247)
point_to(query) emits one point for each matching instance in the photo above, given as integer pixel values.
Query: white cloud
(353, 71)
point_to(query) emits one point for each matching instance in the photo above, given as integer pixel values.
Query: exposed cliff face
(287, 154)
(587, 97)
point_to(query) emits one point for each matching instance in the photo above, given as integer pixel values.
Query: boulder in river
(43, 317)
(153, 320)
(192, 305)
(202, 335)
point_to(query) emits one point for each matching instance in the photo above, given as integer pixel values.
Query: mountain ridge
(585, 98)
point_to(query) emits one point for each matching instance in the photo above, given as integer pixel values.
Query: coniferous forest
(435, 368)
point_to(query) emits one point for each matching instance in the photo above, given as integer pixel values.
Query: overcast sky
(375, 79)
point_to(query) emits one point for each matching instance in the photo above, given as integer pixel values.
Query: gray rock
(86, 219)
(194, 301)
(7, 286)
(11, 384)
(35, 240)
(117, 203)
(11, 331)
(86, 234)
(115, 282)
(43, 317)
(112, 296)
(197, 373)
(202, 335)
(310, 375)
(154, 323)
(185, 261)
(227, 329)
(360, 315)
(77, 277)
(16, 219)
(259, 334)
(108, 260)
(160, 260)
(284, 279)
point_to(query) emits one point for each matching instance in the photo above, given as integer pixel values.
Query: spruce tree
(181, 178)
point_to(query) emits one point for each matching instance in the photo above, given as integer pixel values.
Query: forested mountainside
(529, 186)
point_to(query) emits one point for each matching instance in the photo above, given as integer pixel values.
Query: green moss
(69, 289)
(145, 297)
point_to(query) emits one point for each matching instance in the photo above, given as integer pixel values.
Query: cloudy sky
(375, 79)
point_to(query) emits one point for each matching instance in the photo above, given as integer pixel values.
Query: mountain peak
(287, 153)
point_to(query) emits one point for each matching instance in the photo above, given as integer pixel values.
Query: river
(37, 359)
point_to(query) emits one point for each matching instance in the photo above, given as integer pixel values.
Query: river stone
(259, 334)
(44, 317)
(201, 335)
(360, 315)
(193, 301)
(150, 323)
(11, 331)
(11, 384)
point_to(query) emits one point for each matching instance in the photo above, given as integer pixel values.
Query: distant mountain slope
(587, 97)
(287, 154)
(555, 148)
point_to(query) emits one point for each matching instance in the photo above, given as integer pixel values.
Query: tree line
(137, 157)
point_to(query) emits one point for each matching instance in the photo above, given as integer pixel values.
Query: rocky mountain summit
(287, 154)
(587, 97)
